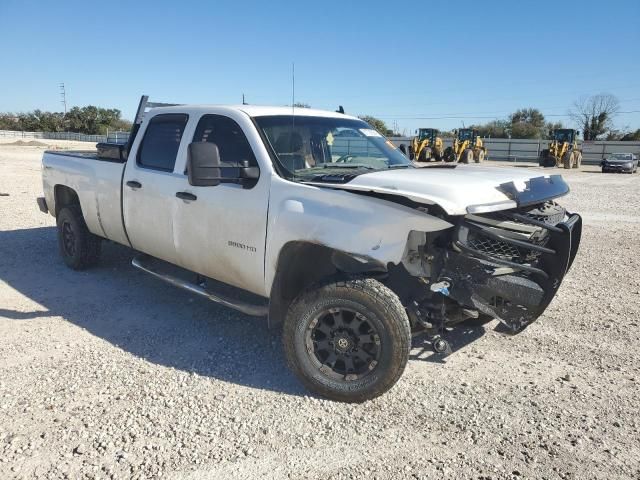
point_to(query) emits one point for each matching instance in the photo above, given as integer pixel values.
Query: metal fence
(525, 150)
(112, 137)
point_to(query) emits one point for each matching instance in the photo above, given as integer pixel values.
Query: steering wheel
(345, 158)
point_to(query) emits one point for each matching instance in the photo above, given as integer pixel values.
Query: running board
(247, 308)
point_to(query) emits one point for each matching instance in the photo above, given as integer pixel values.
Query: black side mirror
(247, 172)
(577, 133)
(203, 164)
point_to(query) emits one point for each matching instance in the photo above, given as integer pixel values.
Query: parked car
(620, 162)
(350, 251)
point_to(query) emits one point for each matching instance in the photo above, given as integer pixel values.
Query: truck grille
(516, 237)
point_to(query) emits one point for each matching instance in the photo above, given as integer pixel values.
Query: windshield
(465, 134)
(328, 149)
(620, 156)
(563, 136)
(426, 133)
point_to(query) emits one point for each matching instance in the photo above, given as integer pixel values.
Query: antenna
(63, 94)
(293, 86)
(243, 102)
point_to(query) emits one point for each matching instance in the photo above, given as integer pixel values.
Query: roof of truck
(256, 110)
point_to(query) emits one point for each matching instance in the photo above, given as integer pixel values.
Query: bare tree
(594, 114)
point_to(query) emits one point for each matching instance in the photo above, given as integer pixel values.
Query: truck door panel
(221, 234)
(149, 186)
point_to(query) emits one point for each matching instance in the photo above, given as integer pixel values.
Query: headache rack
(119, 152)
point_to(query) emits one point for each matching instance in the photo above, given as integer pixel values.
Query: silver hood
(463, 189)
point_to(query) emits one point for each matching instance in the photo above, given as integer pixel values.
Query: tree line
(592, 115)
(90, 120)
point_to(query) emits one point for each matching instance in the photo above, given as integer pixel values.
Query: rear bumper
(42, 204)
(515, 293)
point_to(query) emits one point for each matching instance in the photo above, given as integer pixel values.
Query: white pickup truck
(337, 235)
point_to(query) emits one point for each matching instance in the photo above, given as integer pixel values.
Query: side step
(246, 308)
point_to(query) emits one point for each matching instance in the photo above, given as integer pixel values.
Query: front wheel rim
(343, 344)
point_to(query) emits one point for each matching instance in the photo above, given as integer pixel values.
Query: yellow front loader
(426, 146)
(563, 150)
(467, 147)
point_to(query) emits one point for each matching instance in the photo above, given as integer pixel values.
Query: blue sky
(473, 61)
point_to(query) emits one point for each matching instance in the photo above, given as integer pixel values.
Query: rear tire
(347, 340)
(78, 247)
(578, 160)
(480, 157)
(449, 155)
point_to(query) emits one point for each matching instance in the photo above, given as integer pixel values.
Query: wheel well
(63, 197)
(301, 264)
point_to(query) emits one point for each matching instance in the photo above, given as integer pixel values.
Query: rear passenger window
(159, 146)
(232, 143)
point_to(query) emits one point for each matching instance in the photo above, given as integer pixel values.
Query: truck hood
(463, 189)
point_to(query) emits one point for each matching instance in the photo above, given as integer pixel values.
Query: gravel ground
(111, 374)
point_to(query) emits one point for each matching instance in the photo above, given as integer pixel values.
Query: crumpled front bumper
(517, 298)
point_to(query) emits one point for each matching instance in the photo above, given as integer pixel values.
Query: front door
(221, 233)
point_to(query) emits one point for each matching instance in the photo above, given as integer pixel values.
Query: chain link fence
(111, 137)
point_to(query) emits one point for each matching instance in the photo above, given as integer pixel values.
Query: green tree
(376, 123)
(494, 129)
(631, 136)
(527, 123)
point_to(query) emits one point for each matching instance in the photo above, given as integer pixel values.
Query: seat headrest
(290, 142)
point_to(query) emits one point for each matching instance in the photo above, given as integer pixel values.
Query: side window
(230, 139)
(159, 146)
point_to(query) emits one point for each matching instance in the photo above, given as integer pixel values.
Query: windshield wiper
(348, 165)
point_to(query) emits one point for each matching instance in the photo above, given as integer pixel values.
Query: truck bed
(85, 154)
(97, 183)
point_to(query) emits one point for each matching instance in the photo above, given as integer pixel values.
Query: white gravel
(111, 374)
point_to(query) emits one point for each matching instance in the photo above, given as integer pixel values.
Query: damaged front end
(505, 264)
(509, 265)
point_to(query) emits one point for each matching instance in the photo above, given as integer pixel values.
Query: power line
(473, 117)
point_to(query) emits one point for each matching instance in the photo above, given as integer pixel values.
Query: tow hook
(441, 287)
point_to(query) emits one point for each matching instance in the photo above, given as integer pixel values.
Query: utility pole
(63, 94)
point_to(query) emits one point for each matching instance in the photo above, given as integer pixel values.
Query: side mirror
(203, 164)
(247, 172)
(578, 133)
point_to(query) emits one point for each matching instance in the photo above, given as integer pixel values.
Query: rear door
(220, 233)
(149, 187)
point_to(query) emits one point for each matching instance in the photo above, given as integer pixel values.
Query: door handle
(186, 196)
(134, 184)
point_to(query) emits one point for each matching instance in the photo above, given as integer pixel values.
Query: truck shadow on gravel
(142, 315)
(155, 321)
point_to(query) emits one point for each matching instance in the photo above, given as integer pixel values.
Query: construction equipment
(563, 149)
(467, 147)
(426, 146)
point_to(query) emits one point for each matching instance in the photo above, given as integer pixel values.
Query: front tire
(480, 157)
(78, 247)
(467, 156)
(347, 340)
